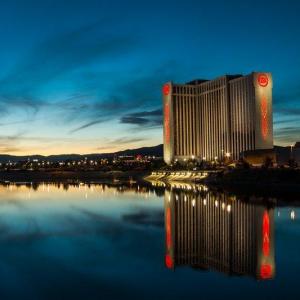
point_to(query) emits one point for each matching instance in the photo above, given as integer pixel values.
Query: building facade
(208, 120)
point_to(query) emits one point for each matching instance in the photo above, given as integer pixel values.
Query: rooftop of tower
(200, 81)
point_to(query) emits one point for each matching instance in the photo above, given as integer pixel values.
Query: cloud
(140, 92)
(84, 91)
(51, 62)
(288, 130)
(289, 111)
(9, 143)
(134, 120)
(16, 122)
(87, 125)
(286, 121)
(143, 118)
(10, 104)
(127, 140)
(157, 112)
(287, 135)
(109, 145)
(9, 149)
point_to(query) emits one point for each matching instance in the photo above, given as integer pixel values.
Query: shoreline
(70, 176)
(277, 183)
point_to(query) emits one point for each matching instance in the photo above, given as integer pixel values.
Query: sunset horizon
(91, 81)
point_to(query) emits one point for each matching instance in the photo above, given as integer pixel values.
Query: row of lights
(227, 155)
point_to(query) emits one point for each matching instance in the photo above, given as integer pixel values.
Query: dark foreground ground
(283, 183)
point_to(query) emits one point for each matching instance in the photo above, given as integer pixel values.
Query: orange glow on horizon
(74, 147)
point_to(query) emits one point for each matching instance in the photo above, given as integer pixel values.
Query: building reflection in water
(207, 230)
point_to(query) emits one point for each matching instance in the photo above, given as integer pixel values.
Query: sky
(86, 76)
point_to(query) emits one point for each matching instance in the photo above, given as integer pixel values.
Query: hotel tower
(212, 119)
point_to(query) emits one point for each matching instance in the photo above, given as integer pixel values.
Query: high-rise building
(209, 120)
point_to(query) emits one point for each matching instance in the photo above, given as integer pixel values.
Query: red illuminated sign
(266, 234)
(167, 123)
(263, 80)
(264, 117)
(166, 89)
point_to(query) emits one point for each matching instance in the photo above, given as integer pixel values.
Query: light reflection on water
(90, 241)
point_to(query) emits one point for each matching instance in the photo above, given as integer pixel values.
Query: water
(99, 242)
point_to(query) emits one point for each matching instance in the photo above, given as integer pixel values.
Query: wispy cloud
(133, 101)
(87, 125)
(54, 59)
(287, 121)
(143, 118)
(127, 140)
(84, 92)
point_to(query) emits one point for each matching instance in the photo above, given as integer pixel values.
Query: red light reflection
(266, 271)
(266, 234)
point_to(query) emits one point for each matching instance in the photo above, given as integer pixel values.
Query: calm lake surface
(145, 242)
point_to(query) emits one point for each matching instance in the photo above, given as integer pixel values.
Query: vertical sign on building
(168, 122)
(263, 110)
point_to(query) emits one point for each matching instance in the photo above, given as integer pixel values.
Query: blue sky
(85, 76)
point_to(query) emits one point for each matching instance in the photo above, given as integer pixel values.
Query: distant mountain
(149, 151)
